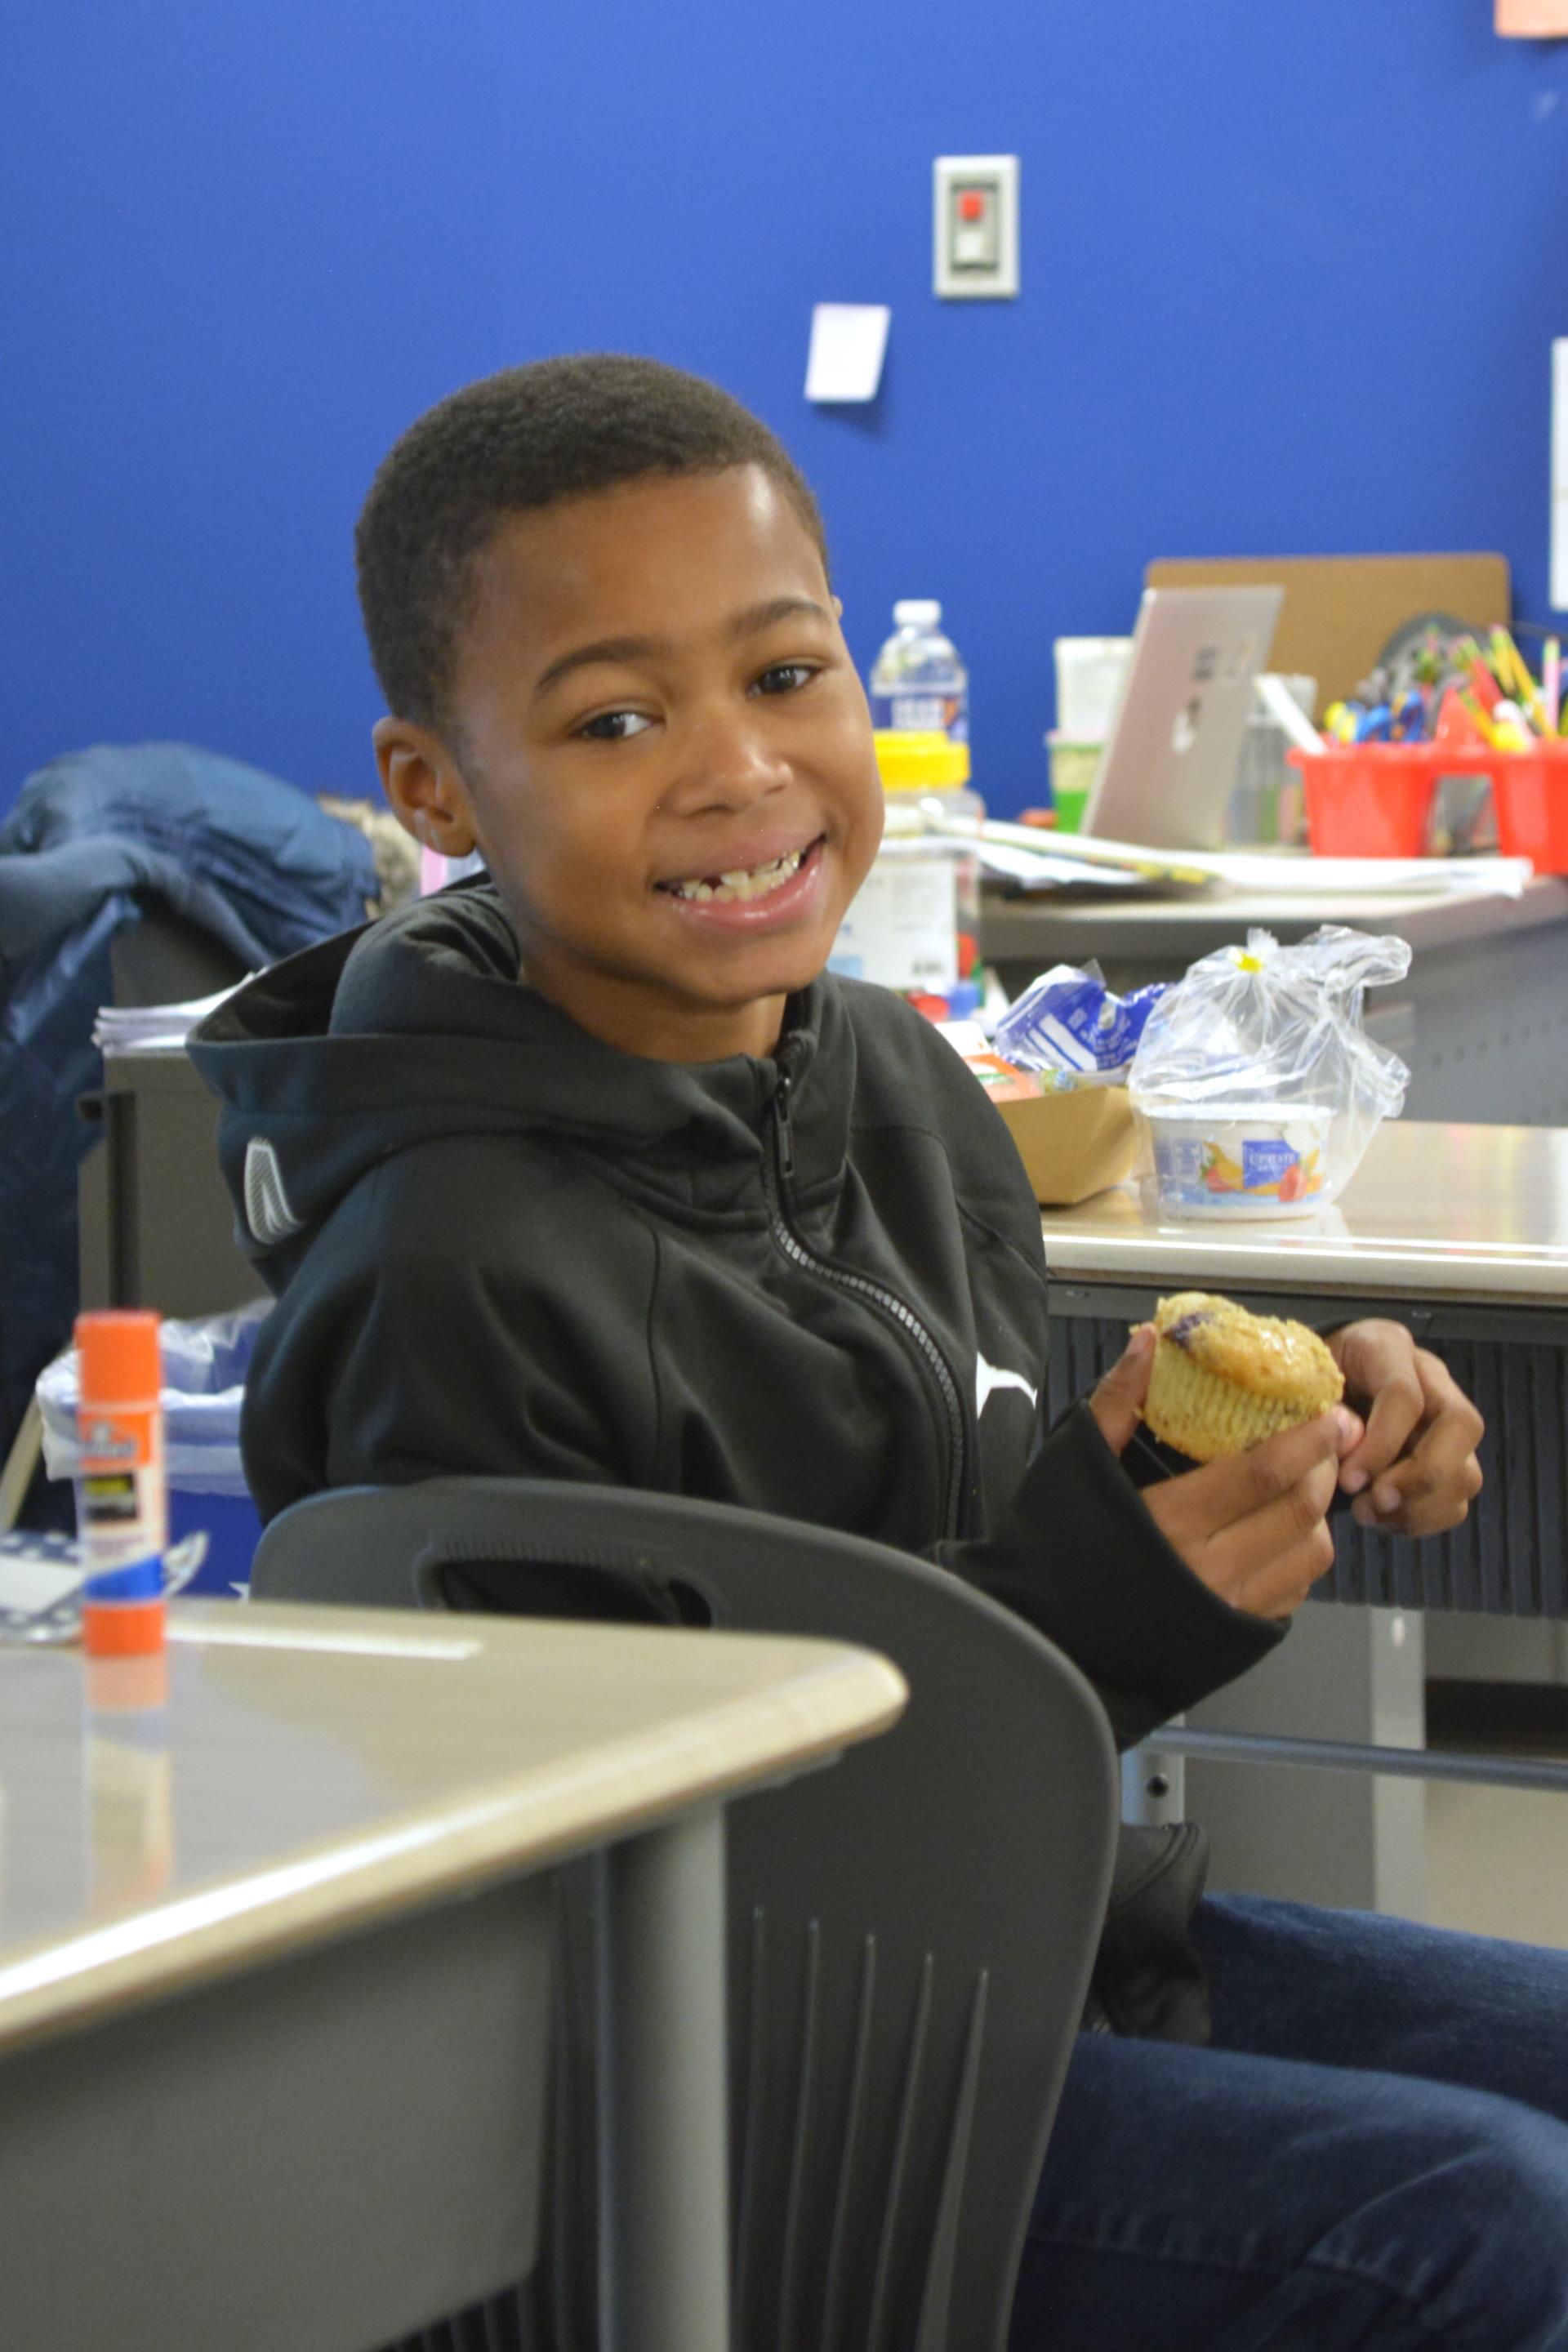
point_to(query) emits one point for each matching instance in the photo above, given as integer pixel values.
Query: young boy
(588, 1171)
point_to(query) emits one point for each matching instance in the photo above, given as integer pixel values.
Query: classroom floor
(1498, 1862)
(1497, 1858)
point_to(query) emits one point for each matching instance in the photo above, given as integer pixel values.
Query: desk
(274, 1962)
(1482, 1020)
(155, 1222)
(1461, 1232)
(1482, 1017)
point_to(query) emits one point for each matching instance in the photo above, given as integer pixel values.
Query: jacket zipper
(775, 1189)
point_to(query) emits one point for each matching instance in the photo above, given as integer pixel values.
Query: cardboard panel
(1074, 1144)
(1339, 610)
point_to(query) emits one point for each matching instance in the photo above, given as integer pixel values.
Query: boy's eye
(786, 678)
(615, 726)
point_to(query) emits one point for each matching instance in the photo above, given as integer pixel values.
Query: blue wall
(1289, 277)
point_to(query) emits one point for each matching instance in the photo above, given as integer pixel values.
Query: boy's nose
(727, 765)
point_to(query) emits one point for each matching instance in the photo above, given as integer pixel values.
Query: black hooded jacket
(812, 1284)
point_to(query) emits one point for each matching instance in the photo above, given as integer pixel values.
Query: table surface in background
(1178, 929)
(1436, 1211)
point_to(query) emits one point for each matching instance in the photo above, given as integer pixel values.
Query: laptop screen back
(1170, 761)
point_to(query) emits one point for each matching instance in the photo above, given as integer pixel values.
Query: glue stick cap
(116, 1353)
(122, 1628)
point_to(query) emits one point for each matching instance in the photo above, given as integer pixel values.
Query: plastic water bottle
(919, 684)
(915, 923)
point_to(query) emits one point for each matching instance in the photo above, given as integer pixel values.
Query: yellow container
(909, 762)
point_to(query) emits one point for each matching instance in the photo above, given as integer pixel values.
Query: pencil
(1472, 704)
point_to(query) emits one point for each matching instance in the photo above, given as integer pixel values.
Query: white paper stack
(1037, 869)
(1038, 859)
(153, 1028)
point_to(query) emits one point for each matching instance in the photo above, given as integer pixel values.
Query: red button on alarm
(971, 205)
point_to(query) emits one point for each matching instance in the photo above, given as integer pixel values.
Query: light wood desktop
(1433, 1212)
(274, 1955)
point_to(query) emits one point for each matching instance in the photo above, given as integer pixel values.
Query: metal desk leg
(1155, 1782)
(664, 2228)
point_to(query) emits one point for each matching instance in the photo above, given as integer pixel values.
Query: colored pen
(1471, 703)
(1483, 685)
(1517, 680)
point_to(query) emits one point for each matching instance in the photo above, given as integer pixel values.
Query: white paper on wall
(849, 342)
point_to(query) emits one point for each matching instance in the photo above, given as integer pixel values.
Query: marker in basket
(122, 1503)
(1551, 684)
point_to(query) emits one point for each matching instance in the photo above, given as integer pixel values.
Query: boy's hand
(1415, 1472)
(1252, 1527)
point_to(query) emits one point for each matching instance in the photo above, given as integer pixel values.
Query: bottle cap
(911, 762)
(121, 1628)
(116, 1353)
(917, 613)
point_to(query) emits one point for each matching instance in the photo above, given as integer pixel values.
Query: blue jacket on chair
(96, 837)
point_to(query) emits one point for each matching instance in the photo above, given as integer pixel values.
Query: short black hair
(560, 429)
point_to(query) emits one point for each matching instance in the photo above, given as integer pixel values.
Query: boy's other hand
(1254, 1527)
(1415, 1472)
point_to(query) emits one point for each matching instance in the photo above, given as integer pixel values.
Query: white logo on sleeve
(268, 1212)
(989, 1378)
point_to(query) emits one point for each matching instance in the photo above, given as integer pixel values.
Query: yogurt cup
(1240, 1160)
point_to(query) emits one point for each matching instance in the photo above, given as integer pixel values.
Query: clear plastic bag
(1259, 1086)
(205, 1363)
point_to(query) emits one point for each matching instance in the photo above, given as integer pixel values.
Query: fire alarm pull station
(976, 226)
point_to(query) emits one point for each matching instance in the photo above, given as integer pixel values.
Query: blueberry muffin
(1223, 1379)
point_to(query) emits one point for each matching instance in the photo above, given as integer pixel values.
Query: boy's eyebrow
(746, 623)
(603, 650)
(777, 608)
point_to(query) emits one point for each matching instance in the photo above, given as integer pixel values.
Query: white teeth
(742, 882)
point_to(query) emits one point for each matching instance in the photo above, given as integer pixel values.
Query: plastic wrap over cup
(1258, 1087)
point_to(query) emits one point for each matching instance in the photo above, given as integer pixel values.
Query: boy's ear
(419, 777)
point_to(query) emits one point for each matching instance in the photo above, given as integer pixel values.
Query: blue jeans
(1373, 2152)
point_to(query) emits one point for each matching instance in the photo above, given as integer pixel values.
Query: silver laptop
(1170, 760)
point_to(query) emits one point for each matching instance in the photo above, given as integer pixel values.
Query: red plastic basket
(1374, 800)
(1529, 792)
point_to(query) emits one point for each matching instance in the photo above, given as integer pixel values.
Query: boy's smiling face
(666, 758)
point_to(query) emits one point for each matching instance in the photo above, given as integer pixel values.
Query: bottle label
(902, 928)
(120, 1500)
(916, 710)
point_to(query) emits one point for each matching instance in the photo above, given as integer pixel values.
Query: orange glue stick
(122, 1503)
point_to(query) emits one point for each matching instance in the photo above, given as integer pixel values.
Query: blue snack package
(1069, 1020)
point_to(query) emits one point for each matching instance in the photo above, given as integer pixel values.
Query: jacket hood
(418, 1028)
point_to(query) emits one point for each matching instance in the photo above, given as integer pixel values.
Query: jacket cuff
(1111, 1591)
